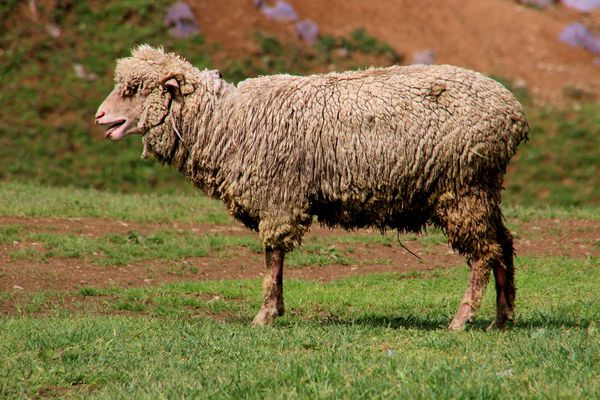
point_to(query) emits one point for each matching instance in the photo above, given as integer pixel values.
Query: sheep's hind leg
(272, 306)
(473, 223)
(480, 276)
(504, 275)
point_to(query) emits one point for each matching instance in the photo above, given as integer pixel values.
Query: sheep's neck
(205, 146)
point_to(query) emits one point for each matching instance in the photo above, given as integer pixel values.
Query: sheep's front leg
(272, 288)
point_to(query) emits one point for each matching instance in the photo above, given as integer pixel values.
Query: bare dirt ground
(568, 238)
(497, 37)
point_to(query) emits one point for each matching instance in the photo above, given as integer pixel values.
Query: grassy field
(378, 335)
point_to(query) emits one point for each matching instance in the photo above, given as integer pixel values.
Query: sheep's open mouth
(114, 127)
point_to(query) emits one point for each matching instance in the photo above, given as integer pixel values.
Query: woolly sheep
(388, 148)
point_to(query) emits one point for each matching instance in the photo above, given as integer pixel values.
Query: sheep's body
(396, 148)
(370, 148)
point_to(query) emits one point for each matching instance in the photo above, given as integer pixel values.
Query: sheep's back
(397, 134)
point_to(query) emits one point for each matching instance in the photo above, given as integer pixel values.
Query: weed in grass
(10, 234)
(91, 291)
(311, 254)
(29, 254)
(130, 305)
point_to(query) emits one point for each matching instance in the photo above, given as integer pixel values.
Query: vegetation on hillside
(47, 133)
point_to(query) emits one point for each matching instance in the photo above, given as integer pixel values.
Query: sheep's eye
(130, 91)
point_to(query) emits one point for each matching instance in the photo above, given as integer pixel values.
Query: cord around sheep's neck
(195, 145)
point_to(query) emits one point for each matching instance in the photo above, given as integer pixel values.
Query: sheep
(386, 148)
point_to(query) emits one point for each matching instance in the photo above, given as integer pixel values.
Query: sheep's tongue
(116, 131)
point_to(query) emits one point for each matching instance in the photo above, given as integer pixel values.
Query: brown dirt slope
(497, 37)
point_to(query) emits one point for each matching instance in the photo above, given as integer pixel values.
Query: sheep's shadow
(387, 321)
(441, 323)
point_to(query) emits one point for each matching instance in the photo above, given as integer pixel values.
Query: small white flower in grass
(507, 373)
(215, 299)
(592, 328)
(538, 333)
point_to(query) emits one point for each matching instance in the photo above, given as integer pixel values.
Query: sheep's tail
(520, 129)
(519, 133)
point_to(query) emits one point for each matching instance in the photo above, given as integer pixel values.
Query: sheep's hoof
(265, 317)
(499, 323)
(456, 326)
(496, 325)
(463, 316)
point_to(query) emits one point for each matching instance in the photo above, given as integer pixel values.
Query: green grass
(372, 336)
(376, 336)
(31, 200)
(17, 199)
(9, 233)
(560, 164)
(528, 213)
(170, 245)
(173, 245)
(319, 254)
(114, 249)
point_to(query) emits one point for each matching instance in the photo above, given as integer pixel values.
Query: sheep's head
(154, 93)
(146, 85)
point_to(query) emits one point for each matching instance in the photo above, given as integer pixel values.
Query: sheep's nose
(99, 115)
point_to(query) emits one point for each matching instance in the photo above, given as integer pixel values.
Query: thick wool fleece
(387, 148)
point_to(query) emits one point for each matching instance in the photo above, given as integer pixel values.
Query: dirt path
(569, 238)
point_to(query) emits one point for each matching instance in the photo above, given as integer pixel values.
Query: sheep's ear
(172, 85)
